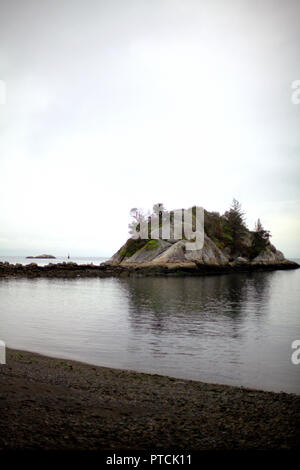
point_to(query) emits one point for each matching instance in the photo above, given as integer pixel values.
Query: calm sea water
(232, 329)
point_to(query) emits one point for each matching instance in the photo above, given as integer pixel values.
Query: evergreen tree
(260, 239)
(258, 226)
(235, 226)
(159, 209)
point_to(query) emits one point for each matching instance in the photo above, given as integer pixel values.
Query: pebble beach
(57, 404)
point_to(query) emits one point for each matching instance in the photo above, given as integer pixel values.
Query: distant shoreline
(61, 404)
(41, 257)
(74, 270)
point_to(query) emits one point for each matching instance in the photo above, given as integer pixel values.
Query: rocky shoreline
(73, 270)
(57, 404)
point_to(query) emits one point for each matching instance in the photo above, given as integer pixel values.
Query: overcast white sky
(121, 103)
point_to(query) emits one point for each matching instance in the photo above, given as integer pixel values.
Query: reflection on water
(172, 303)
(234, 329)
(207, 320)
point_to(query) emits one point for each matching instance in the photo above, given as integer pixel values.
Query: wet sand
(58, 404)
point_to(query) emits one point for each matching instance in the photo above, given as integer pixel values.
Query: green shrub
(131, 247)
(152, 245)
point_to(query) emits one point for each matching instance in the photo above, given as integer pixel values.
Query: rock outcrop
(154, 253)
(269, 255)
(164, 253)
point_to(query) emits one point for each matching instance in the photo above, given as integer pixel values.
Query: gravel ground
(48, 403)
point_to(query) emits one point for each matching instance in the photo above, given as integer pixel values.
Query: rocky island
(228, 246)
(41, 257)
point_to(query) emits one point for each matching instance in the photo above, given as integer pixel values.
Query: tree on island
(159, 209)
(137, 216)
(159, 215)
(228, 231)
(235, 227)
(260, 239)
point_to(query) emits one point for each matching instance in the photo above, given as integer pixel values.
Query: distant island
(41, 257)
